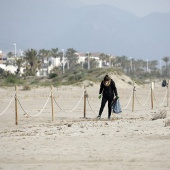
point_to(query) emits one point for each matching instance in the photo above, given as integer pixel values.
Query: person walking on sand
(108, 90)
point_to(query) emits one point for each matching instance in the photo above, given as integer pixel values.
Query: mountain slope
(101, 28)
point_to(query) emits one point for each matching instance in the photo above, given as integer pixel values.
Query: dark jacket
(108, 91)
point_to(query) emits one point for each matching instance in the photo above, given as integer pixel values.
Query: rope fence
(90, 106)
(8, 105)
(132, 98)
(29, 115)
(162, 101)
(73, 108)
(128, 101)
(141, 105)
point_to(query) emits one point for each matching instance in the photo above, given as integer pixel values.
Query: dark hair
(106, 78)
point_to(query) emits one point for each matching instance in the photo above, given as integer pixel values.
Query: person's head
(106, 80)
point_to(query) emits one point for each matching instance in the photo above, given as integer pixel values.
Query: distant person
(107, 90)
(164, 83)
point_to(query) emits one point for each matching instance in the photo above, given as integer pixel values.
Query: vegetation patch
(26, 87)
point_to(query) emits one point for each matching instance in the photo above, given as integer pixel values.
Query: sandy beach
(129, 141)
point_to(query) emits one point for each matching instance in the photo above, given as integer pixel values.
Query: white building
(50, 63)
(2, 58)
(82, 57)
(55, 62)
(12, 69)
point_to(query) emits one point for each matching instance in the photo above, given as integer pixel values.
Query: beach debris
(59, 128)
(161, 115)
(167, 122)
(69, 124)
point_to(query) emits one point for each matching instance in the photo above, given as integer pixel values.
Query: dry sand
(130, 140)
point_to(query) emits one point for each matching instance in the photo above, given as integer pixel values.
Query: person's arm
(101, 88)
(115, 89)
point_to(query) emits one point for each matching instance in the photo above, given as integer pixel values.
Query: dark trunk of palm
(18, 70)
(166, 68)
(32, 68)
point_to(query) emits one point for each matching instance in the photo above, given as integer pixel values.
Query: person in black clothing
(108, 90)
(164, 83)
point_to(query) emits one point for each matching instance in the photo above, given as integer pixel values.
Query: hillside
(79, 78)
(101, 28)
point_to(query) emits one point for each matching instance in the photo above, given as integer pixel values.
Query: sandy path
(127, 141)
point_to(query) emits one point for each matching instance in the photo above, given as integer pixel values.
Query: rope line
(145, 101)
(162, 101)
(37, 113)
(128, 101)
(90, 106)
(8, 105)
(138, 101)
(73, 108)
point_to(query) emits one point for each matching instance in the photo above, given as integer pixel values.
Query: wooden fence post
(85, 103)
(16, 106)
(52, 104)
(133, 99)
(152, 87)
(168, 94)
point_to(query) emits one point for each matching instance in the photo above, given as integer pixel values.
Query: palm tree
(19, 63)
(31, 56)
(44, 54)
(10, 54)
(107, 59)
(10, 61)
(102, 57)
(54, 52)
(93, 63)
(122, 62)
(71, 57)
(166, 60)
(153, 65)
(88, 60)
(140, 66)
(113, 61)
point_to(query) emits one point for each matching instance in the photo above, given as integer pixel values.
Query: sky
(138, 7)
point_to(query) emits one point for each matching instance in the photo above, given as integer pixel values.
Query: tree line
(33, 60)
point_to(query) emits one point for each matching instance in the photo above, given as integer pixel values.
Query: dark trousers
(103, 103)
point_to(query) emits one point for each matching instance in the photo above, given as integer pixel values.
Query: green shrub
(11, 80)
(71, 78)
(26, 87)
(129, 82)
(52, 75)
(34, 82)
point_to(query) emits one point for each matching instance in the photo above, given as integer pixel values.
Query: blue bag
(116, 106)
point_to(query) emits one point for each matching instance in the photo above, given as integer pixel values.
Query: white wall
(81, 59)
(55, 61)
(11, 68)
(3, 66)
